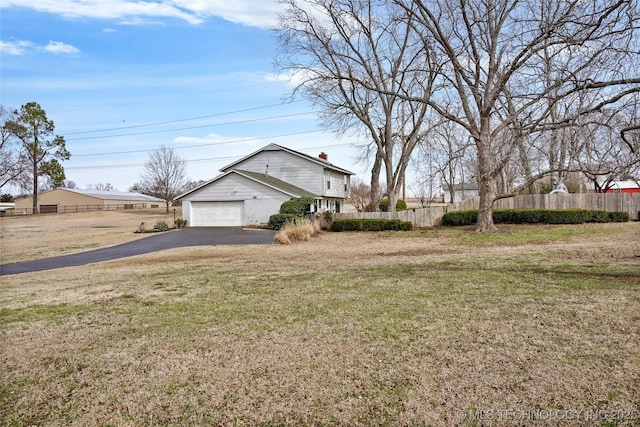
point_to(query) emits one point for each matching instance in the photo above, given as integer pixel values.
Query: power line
(193, 127)
(130, 165)
(183, 120)
(200, 145)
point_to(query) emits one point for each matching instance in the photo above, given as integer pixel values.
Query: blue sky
(122, 77)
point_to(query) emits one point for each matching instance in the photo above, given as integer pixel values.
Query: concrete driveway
(197, 236)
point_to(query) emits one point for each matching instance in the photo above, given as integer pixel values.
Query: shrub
(619, 216)
(536, 216)
(565, 216)
(161, 226)
(528, 216)
(405, 226)
(506, 216)
(384, 205)
(281, 238)
(327, 220)
(181, 223)
(357, 224)
(289, 211)
(599, 216)
(277, 221)
(298, 206)
(458, 218)
(297, 230)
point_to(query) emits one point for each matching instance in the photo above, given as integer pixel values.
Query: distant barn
(630, 187)
(63, 200)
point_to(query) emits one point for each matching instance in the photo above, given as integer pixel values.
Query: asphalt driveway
(197, 236)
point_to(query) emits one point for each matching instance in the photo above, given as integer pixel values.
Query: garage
(217, 214)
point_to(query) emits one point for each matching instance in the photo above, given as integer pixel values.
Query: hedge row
(355, 224)
(536, 216)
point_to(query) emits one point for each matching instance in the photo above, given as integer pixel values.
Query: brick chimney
(323, 156)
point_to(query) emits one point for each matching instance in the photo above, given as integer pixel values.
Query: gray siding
(288, 168)
(258, 211)
(297, 171)
(233, 187)
(336, 189)
(260, 202)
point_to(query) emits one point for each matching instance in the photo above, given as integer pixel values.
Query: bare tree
(364, 66)
(164, 175)
(360, 196)
(611, 148)
(39, 148)
(442, 159)
(493, 59)
(11, 165)
(102, 187)
(191, 184)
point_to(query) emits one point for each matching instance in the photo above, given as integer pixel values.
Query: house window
(328, 176)
(346, 184)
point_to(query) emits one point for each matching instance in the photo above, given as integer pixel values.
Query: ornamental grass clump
(297, 230)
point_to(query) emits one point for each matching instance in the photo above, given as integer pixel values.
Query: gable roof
(467, 186)
(625, 185)
(269, 181)
(114, 195)
(276, 147)
(106, 195)
(275, 183)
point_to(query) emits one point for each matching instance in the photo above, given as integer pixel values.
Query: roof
(113, 195)
(263, 179)
(275, 183)
(468, 186)
(276, 147)
(624, 185)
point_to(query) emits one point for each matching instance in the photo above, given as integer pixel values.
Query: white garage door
(216, 214)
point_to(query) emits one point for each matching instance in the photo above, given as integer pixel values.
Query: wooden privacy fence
(432, 216)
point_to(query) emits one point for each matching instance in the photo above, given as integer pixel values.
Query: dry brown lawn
(535, 325)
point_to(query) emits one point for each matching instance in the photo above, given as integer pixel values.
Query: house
(630, 187)
(251, 189)
(76, 200)
(465, 190)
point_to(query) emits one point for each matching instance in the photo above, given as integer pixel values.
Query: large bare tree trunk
(375, 185)
(486, 186)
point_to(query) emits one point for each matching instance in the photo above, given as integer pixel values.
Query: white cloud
(59, 47)
(263, 13)
(293, 78)
(100, 9)
(15, 48)
(22, 47)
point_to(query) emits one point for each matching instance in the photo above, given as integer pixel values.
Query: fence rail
(432, 216)
(51, 209)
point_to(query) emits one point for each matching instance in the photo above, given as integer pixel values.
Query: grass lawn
(535, 325)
